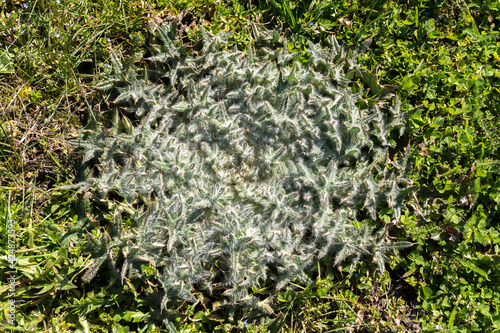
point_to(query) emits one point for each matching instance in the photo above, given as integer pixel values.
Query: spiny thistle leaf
(93, 269)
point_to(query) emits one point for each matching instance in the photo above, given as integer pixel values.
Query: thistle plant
(239, 169)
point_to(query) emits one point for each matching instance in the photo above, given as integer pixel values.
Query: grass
(442, 55)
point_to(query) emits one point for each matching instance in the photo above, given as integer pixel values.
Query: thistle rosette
(239, 169)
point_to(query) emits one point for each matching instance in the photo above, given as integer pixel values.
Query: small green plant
(240, 170)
